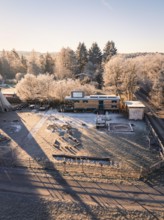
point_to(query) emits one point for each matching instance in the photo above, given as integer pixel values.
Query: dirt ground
(30, 209)
(34, 134)
(27, 194)
(40, 135)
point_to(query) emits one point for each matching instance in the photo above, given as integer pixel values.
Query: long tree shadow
(130, 150)
(26, 142)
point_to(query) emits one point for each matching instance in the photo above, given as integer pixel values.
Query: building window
(102, 97)
(76, 101)
(114, 106)
(85, 101)
(114, 101)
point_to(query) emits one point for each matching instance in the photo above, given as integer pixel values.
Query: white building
(135, 109)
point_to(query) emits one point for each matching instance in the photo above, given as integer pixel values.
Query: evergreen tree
(34, 65)
(7, 73)
(109, 51)
(82, 57)
(41, 62)
(24, 63)
(89, 71)
(1, 70)
(49, 64)
(14, 62)
(99, 76)
(95, 55)
(157, 93)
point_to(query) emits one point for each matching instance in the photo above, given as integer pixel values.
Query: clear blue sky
(49, 25)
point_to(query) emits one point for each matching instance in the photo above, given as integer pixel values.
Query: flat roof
(134, 104)
(94, 97)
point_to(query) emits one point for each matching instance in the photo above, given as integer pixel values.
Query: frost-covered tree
(109, 51)
(151, 67)
(19, 76)
(82, 57)
(24, 64)
(5, 66)
(15, 62)
(157, 77)
(157, 92)
(10, 64)
(65, 64)
(129, 78)
(64, 87)
(33, 65)
(44, 86)
(33, 87)
(27, 87)
(112, 75)
(120, 76)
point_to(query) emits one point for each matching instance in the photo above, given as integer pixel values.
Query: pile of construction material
(63, 128)
(65, 139)
(102, 121)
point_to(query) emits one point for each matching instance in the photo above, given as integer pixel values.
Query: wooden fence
(93, 170)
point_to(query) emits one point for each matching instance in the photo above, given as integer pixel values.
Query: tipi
(4, 104)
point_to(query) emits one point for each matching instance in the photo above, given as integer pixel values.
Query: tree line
(82, 64)
(53, 76)
(124, 75)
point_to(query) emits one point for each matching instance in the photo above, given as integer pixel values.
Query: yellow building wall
(95, 104)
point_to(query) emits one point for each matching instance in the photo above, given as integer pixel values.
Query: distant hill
(127, 55)
(133, 55)
(27, 53)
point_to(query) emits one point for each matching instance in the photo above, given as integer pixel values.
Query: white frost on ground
(74, 119)
(78, 119)
(39, 124)
(88, 120)
(16, 127)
